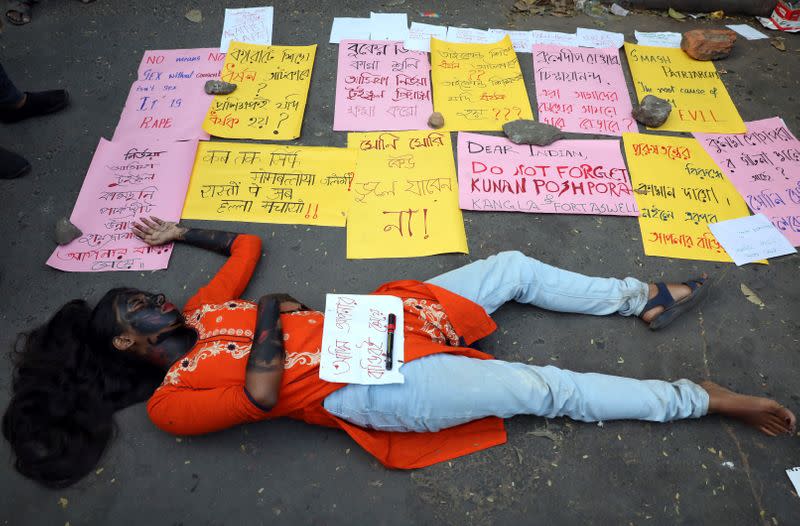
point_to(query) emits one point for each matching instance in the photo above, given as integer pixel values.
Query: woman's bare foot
(768, 416)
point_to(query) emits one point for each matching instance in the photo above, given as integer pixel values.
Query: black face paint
(148, 313)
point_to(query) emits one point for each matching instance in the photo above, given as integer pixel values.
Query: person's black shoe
(36, 103)
(12, 165)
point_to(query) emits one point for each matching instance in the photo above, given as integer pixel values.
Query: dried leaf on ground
(675, 14)
(778, 44)
(545, 433)
(751, 296)
(194, 15)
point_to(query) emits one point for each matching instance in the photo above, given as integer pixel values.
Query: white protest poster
(521, 40)
(553, 37)
(419, 36)
(794, 476)
(355, 339)
(747, 32)
(470, 35)
(346, 28)
(751, 238)
(597, 38)
(251, 25)
(388, 26)
(659, 39)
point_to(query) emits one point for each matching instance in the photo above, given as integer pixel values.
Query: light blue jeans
(443, 390)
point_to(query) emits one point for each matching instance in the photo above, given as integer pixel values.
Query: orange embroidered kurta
(204, 391)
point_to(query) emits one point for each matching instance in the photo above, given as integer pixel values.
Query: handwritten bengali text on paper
(405, 196)
(566, 177)
(679, 190)
(270, 100)
(582, 90)
(700, 102)
(252, 25)
(764, 166)
(266, 183)
(126, 181)
(381, 86)
(478, 87)
(355, 339)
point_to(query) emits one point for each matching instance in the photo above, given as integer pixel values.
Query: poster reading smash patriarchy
(565, 177)
(267, 183)
(680, 190)
(700, 102)
(582, 90)
(405, 197)
(270, 99)
(764, 165)
(478, 87)
(381, 85)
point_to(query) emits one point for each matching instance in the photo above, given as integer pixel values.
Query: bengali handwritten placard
(565, 177)
(268, 183)
(679, 190)
(181, 64)
(405, 197)
(478, 87)
(700, 102)
(764, 165)
(165, 110)
(126, 181)
(381, 86)
(355, 339)
(250, 24)
(582, 90)
(270, 99)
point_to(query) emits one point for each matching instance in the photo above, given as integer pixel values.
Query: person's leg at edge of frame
(511, 275)
(426, 401)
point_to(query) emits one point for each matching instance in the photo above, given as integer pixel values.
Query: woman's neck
(171, 346)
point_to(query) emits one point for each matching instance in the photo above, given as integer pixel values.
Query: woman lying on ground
(224, 361)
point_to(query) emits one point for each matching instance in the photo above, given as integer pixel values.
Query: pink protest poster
(164, 110)
(126, 181)
(200, 64)
(764, 166)
(381, 86)
(582, 90)
(565, 177)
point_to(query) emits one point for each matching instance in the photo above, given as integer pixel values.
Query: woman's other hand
(155, 231)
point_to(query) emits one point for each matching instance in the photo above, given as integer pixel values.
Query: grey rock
(66, 232)
(652, 111)
(436, 120)
(524, 131)
(218, 87)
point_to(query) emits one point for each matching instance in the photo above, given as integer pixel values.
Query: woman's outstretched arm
(243, 251)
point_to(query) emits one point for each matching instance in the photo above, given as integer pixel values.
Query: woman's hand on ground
(155, 231)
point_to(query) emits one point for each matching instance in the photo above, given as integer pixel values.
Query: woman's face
(147, 316)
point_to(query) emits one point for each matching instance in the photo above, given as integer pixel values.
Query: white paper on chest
(355, 339)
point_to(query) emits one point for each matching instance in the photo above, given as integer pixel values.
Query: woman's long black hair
(68, 381)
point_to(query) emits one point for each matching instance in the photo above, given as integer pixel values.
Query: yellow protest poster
(478, 86)
(679, 190)
(700, 102)
(405, 196)
(269, 183)
(270, 97)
